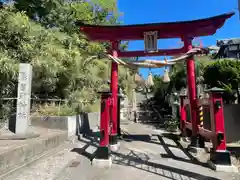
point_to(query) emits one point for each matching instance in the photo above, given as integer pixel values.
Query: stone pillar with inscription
(24, 99)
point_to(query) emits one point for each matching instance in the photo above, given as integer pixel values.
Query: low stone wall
(51, 122)
(66, 123)
(232, 122)
(82, 123)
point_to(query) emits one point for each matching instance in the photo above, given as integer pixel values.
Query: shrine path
(145, 153)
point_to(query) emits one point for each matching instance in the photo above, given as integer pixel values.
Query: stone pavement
(16, 153)
(145, 154)
(47, 167)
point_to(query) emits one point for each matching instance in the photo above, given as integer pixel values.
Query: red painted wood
(188, 125)
(218, 121)
(203, 132)
(114, 89)
(191, 83)
(183, 115)
(195, 28)
(104, 120)
(206, 133)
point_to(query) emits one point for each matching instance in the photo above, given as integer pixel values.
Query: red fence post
(219, 154)
(183, 115)
(103, 151)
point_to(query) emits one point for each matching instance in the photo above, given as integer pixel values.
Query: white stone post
(24, 99)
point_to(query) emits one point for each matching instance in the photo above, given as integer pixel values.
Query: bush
(224, 74)
(54, 110)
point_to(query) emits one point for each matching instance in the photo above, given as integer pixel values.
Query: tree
(160, 90)
(179, 72)
(62, 61)
(178, 79)
(224, 74)
(63, 15)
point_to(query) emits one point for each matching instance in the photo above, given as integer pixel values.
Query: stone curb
(19, 137)
(15, 157)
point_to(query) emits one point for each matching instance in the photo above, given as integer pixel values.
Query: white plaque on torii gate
(150, 41)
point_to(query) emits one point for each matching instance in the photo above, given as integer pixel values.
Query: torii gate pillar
(113, 139)
(192, 96)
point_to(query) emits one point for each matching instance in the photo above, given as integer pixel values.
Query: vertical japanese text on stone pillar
(24, 98)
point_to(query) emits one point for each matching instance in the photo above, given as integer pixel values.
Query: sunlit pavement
(144, 154)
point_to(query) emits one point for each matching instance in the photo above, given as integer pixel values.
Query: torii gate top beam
(182, 29)
(195, 28)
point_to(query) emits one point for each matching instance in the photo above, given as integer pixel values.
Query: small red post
(103, 151)
(217, 120)
(192, 95)
(114, 90)
(219, 154)
(183, 115)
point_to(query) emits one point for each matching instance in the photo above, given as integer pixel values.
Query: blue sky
(150, 11)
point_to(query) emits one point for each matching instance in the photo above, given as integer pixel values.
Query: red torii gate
(186, 30)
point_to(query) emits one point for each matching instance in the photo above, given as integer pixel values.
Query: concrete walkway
(145, 154)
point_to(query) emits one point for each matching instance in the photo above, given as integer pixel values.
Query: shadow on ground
(146, 138)
(132, 159)
(86, 141)
(141, 161)
(235, 151)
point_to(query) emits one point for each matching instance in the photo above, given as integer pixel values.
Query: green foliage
(158, 84)
(65, 109)
(65, 64)
(54, 110)
(178, 79)
(171, 124)
(56, 13)
(179, 72)
(178, 76)
(160, 91)
(224, 74)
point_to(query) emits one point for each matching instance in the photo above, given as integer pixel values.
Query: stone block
(102, 163)
(223, 168)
